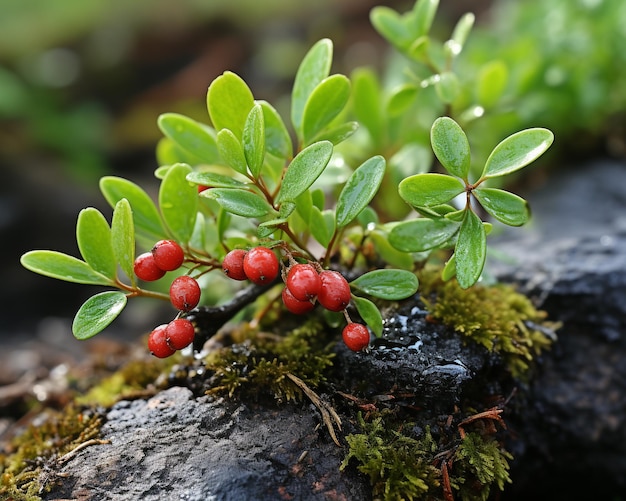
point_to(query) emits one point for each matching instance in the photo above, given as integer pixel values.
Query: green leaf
(123, 237)
(428, 190)
(325, 102)
(93, 236)
(423, 15)
(401, 98)
(359, 190)
(322, 225)
(388, 252)
(229, 100)
(370, 314)
(471, 250)
(277, 138)
(178, 200)
(338, 134)
(447, 87)
(61, 266)
(517, 151)
(391, 26)
(146, 218)
(314, 68)
(97, 313)
(193, 137)
(231, 151)
(367, 103)
(240, 202)
(460, 33)
(214, 180)
(449, 269)
(253, 140)
(491, 83)
(506, 207)
(422, 234)
(451, 146)
(304, 169)
(387, 284)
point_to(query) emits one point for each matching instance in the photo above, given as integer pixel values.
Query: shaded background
(82, 84)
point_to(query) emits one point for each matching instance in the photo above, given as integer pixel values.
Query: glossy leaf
(325, 102)
(229, 100)
(423, 15)
(370, 314)
(367, 103)
(253, 140)
(123, 237)
(449, 269)
(517, 151)
(387, 284)
(322, 225)
(460, 33)
(402, 97)
(61, 266)
(97, 313)
(214, 180)
(391, 26)
(471, 250)
(304, 169)
(422, 234)
(240, 202)
(93, 236)
(193, 137)
(178, 200)
(314, 68)
(451, 146)
(339, 133)
(146, 218)
(359, 190)
(277, 138)
(231, 151)
(386, 251)
(506, 207)
(428, 190)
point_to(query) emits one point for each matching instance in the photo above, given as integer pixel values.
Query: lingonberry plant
(263, 203)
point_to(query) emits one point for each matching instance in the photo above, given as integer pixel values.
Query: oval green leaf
(401, 98)
(93, 236)
(447, 87)
(123, 237)
(422, 16)
(491, 83)
(461, 32)
(367, 103)
(387, 284)
(277, 138)
(229, 100)
(314, 68)
(178, 200)
(146, 218)
(422, 234)
(240, 202)
(370, 314)
(506, 207)
(193, 137)
(326, 101)
(451, 146)
(231, 151)
(253, 140)
(517, 151)
(359, 190)
(214, 180)
(338, 134)
(322, 225)
(390, 26)
(97, 313)
(61, 266)
(388, 252)
(304, 169)
(429, 190)
(470, 251)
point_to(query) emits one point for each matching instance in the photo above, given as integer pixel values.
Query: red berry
(334, 294)
(179, 333)
(261, 265)
(185, 293)
(356, 336)
(232, 265)
(157, 344)
(168, 255)
(304, 281)
(294, 305)
(146, 269)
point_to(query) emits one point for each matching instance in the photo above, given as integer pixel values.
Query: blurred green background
(83, 82)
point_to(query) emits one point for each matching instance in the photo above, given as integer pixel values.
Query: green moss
(29, 470)
(261, 364)
(497, 317)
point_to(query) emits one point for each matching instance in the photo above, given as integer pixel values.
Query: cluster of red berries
(305, 284)
(168, 255)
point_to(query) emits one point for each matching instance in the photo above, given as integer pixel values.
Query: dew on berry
(261, 265)
(168, 255)
(295, 305)
(232, 265)
(334, 293)
(157, 343)
(185, 293)
(146, 269)
(355, 336)
(303, 281)
(179, 333)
